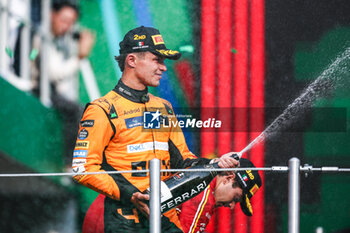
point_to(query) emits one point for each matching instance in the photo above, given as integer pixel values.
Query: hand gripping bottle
(183, 186)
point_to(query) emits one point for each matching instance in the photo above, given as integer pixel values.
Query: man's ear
(130, 60)
(230, 177)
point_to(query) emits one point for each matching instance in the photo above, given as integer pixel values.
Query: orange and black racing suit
(112, 137)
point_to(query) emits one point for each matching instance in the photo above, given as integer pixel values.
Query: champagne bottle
(183, 186)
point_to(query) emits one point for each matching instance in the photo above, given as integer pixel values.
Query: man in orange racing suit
(116, 135)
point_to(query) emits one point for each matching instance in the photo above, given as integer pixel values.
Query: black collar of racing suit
(131, 94)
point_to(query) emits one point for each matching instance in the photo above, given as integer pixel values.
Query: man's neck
(132, 82)
(138, 96)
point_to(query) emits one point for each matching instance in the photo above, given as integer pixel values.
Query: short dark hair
(58, 5)
(121, 59)
(236, 184)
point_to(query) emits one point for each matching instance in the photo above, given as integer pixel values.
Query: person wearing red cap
(224, 190)
(122, 131)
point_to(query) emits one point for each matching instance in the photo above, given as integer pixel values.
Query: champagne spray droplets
(327, 81)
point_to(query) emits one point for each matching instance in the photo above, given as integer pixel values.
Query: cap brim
(246, 206)
(170, 54)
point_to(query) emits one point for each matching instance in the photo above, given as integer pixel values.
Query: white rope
(271, 169)
(120, 172)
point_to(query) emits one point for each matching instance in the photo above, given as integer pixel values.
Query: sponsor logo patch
(83, 134)
(167, 52)
(131, 111)
(82, 144)
(250, 174)
(249, 205)
(254, 189)
(113, 114)
(168, 109)
(244, 183)
(147, 146)
(87, 123)
(77, 162)
(245, 178)
(80, 153)
(133, 122)
(178, 176)
(157, 39)
(79, 169)
(105, 102)
(139, 37)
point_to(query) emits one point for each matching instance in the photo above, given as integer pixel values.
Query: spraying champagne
(322, 86)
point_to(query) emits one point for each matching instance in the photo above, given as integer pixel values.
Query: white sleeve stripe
(199, 209)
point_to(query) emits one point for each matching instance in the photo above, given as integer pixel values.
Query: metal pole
(3, 36)
(25, 43)
(46, 37)
(294, 195)
(155, 222)
(89, 79)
